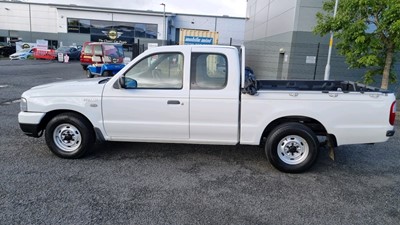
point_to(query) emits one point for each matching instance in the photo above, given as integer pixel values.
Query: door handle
(173, 102)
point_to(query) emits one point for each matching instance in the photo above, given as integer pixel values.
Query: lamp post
(164, 27)
(30, 21)
(9, 32)
(328, 63)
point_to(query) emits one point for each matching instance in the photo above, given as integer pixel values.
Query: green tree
(368, 34)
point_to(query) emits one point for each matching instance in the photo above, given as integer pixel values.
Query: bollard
(66, 59)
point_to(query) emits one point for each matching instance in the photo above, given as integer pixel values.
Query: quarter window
(88, 50)
(208, 71)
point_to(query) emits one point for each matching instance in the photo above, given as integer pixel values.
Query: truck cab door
(152, 103)
(214, 95)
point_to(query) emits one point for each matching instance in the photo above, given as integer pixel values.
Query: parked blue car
(72, 51)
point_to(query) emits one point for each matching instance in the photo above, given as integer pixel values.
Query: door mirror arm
(121, 82)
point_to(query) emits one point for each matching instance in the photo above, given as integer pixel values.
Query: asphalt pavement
(144, 183)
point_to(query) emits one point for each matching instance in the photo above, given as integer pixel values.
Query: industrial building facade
(74, 25)
(280, 43)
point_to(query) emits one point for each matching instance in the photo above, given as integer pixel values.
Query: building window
(78, 26)
(151, 31)
(73, 26)
(102, 29)
(52, 44)
(84, 26)
(140, 30)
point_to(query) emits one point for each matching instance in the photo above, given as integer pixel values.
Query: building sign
(152, 45)
(112, 34)
(192, 40)
(42, 44)
(311, 59)
(23, 45)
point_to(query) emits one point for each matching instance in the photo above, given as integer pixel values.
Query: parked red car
(101, 49)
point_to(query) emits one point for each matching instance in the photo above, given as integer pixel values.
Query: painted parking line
(9, 102)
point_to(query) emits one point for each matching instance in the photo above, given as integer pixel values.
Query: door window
(159, 71)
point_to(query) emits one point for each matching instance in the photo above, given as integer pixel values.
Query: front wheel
(292, 147)
(69, 135)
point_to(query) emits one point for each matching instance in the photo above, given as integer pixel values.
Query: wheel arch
(317, 127)
(50, 115)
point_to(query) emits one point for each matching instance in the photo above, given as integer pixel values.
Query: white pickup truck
(204, 95)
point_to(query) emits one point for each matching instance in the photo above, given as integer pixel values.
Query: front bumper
(14, 57)
(32, 130)
(29, 123)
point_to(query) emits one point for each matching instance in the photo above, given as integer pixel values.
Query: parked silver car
(22, 54)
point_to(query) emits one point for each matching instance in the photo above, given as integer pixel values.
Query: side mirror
(127, 83)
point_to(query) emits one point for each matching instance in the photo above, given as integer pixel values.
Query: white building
(72, 24)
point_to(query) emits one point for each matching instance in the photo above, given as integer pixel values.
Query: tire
(89, 74)
(106, 73)
(292, 148)
(69, 135)
(84, 67)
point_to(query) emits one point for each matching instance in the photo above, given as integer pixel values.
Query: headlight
(23, 105)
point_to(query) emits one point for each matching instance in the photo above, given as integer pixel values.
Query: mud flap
(331, 148)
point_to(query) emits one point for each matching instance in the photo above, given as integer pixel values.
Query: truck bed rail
(252, 85)
(315, 85)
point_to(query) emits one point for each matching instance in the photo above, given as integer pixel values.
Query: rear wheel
(69, 135)
(106, 73)
(292, 147)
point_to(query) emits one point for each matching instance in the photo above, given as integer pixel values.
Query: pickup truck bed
(317, 85)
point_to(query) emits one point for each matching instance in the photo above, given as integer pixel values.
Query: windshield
(63, 48)
(24, 50)
(113, 50)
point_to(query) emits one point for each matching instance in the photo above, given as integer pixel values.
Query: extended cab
(204, 95)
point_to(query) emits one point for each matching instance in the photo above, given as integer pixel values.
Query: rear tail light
(392, 116)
